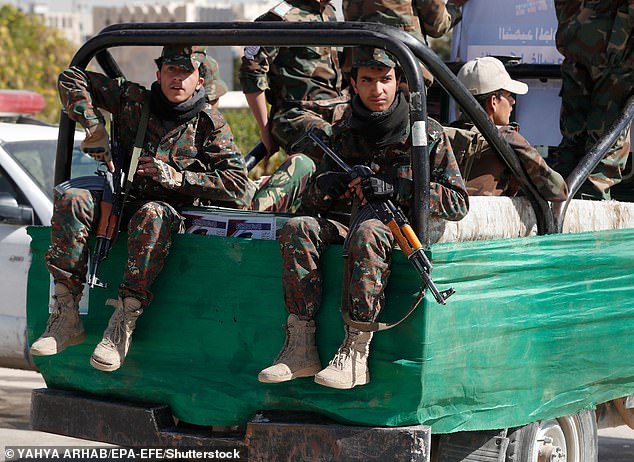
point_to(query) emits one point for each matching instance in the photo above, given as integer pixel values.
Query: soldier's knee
(298, 227)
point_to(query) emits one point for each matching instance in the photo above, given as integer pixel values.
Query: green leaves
(32, 56)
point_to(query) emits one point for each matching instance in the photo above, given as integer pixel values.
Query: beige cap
(488, 74)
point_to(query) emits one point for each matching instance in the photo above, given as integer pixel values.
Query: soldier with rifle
(183, 153)
(374, 134)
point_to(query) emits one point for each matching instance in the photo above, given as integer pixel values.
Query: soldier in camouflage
(595, 38)
(419, 18)
(484, 171)
(188, 155)
(375, 131)
(215, 87)
(292, 80)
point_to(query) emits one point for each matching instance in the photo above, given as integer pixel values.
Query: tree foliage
(32, 56)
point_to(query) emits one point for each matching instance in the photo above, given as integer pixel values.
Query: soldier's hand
(161, 172)
(377, 188)
(97, 145)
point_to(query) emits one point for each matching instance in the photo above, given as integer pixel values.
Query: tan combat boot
(64, 328)
(299, 356)
(113, 348)
(349, 367)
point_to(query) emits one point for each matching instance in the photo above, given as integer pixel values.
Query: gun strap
(365, 213)
(138, 142)
(369, 326)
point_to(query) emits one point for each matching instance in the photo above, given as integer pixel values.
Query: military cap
(215, 87)
(371, 57)
(186, 56)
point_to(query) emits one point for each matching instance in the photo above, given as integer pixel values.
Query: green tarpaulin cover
(539, 327)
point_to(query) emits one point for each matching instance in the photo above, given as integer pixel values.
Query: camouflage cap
(215, 87)
(186, 56)
(371, 57)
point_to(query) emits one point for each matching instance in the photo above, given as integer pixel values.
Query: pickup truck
(511, 369)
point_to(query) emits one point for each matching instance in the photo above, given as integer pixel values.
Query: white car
(27, 161)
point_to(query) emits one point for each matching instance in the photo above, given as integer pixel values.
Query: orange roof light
(20, 102)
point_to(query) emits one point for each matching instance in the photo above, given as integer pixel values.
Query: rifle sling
(138, 144)
(363, 214)
(369, 326)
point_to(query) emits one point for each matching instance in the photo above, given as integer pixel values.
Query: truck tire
(566, 439)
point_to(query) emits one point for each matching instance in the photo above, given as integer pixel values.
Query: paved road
(615, 444)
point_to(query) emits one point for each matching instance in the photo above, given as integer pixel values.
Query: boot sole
(339, 386)
(298, 374)
(103, 366)
(53, 351)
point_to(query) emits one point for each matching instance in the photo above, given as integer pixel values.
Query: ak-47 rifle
(114, 194)
(110, 207)
(394, 218)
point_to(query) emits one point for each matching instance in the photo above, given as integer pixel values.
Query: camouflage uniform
(201, 148)
(595, 38)
(294, 77)
(303, 239)
(486, 174)
(416, 17)
(215, 87)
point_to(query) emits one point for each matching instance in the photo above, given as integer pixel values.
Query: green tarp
(539, 327)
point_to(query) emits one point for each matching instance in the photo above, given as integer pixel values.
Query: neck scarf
(381, 128)
(176, 112)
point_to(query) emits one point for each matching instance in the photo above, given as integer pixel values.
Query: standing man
(485, 173)
(375, 131)
(595, 38)
(188, 154)
(420, 18)
(293, 80)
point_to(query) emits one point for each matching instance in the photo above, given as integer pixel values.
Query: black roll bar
(272, 34)
(592, 158)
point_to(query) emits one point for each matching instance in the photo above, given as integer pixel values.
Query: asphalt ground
(615, 444)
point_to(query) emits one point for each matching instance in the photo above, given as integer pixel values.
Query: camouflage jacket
(417, 17)
(597, 32)
(202, 148)
(290, 74)
(448, 195)
(487, 174)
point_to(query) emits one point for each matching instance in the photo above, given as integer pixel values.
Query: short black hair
(484, 97)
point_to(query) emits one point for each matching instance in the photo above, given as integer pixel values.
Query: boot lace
(344, 352)
(116, 330)
(53, 321)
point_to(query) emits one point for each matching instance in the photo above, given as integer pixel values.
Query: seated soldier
(484, 171)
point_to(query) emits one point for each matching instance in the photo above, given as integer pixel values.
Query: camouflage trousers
(290, 124)
(75, 218)
(592, 99)
(302, 242)
(282, 191)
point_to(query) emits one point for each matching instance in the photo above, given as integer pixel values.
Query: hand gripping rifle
(113, 197)
(394, 218)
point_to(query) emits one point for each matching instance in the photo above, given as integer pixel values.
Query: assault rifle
(392, 216)
(110, 208)
(114, 194)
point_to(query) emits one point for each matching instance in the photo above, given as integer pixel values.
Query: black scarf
(381, 128)
(176, 112)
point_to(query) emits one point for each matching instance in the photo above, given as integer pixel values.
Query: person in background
(596, 40)
(485, 173)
